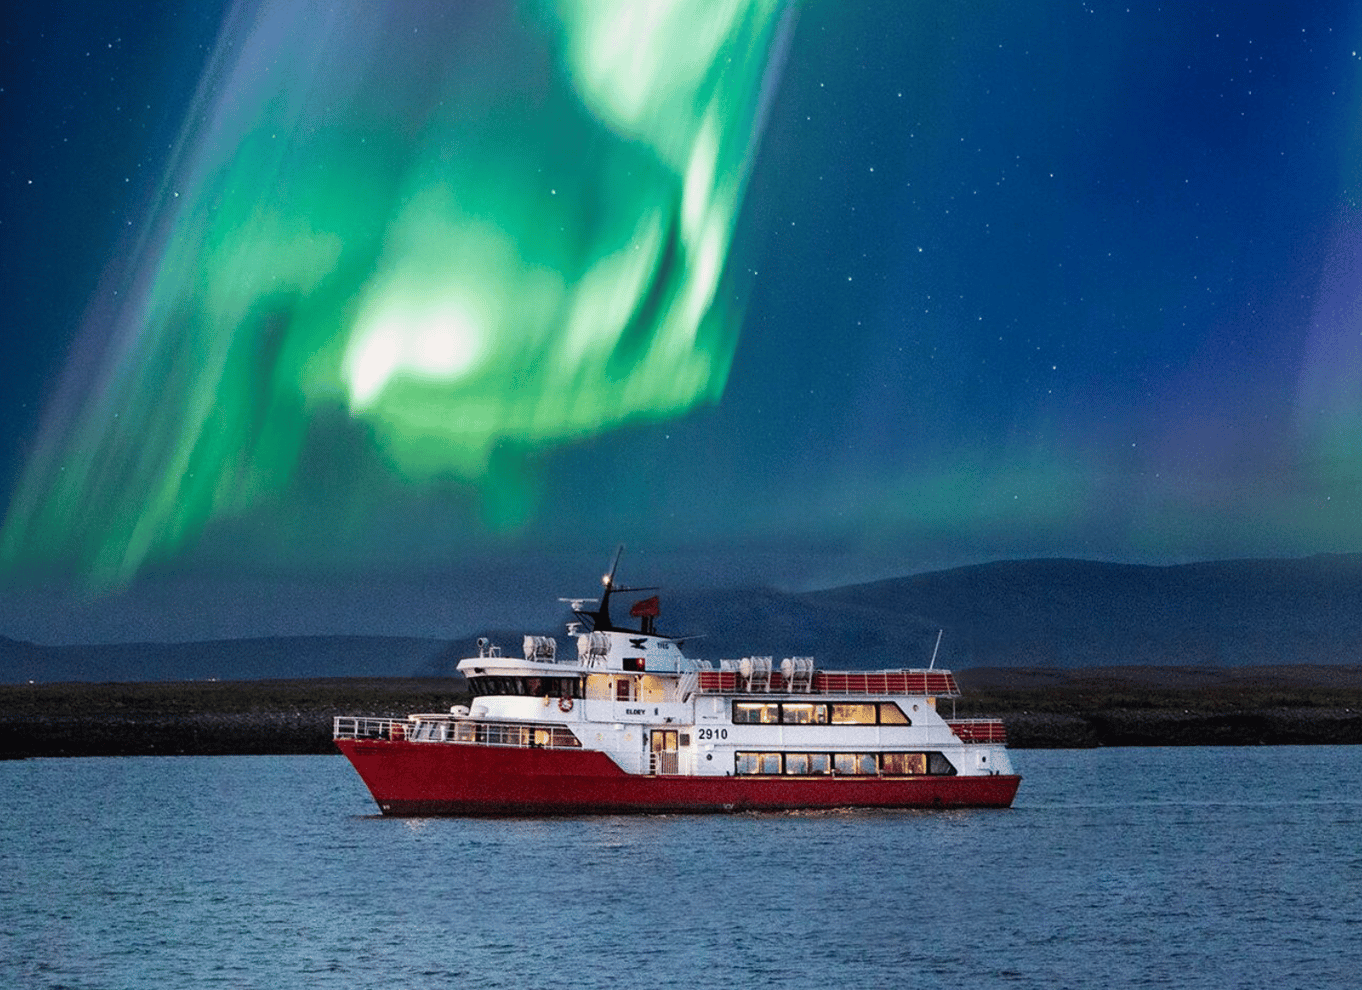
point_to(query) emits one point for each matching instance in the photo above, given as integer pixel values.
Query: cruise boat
(631, 724)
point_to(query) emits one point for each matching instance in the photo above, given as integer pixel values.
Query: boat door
(664, 745)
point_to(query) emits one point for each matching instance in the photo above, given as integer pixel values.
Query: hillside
(1040, 613)
(1055, 613)
(275, 658)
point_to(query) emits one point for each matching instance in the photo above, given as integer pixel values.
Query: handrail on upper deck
(979, 730)
(931, 683)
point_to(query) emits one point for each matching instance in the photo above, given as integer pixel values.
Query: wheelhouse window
(530, 687)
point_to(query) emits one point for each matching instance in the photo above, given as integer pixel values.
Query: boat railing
(664, 763)
(363, 727)
(932, 683)
(448, 729)
(979, 730)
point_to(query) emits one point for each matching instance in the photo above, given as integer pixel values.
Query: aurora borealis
(452, 229)
(315, 293)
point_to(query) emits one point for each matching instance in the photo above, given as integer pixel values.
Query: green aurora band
(460, 229)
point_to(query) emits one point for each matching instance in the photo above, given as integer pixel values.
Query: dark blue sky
(1054, 279)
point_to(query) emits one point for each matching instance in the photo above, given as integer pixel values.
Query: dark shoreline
(1043, 709)
(202, 718)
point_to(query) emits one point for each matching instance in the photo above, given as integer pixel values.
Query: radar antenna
(599, 617)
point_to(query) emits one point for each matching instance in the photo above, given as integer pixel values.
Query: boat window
(849, 764)
(853, 714)
(757, 763)
(892, 714)
(755, 713)
(904, 763)
(624, 689)
(533, 687)
(938, 765)
(805, 764)
(803, 714)
(854, 763)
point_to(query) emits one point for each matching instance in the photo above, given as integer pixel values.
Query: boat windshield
(532, 687)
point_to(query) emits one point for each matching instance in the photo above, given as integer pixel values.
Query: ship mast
(599, 617)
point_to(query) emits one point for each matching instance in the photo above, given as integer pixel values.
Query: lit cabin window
(755, 713)
(854, 763)
(803, 714)
(847, 764)
(892, 714)
(853, 714)
(904, 763)
(756, 763)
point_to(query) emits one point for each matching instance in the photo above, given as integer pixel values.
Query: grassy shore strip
(1041, 708)
(1047, 708)
(202, 718)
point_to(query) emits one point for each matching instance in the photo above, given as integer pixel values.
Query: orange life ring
(565, 704)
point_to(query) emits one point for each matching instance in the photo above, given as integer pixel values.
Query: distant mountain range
(273, 658)
(1055, 613)
(1035, 613)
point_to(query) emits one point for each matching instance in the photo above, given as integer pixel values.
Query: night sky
(327, 321)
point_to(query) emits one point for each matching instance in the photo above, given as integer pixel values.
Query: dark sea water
(1116, 868)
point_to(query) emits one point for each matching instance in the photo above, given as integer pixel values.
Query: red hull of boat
(452, 779)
